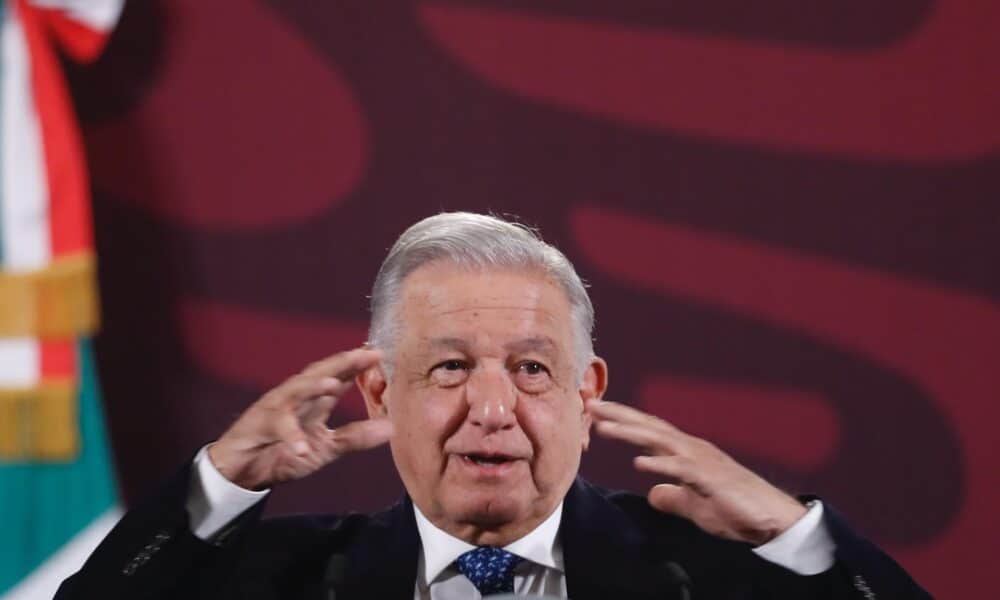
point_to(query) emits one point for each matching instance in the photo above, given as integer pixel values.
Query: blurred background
(788, 216)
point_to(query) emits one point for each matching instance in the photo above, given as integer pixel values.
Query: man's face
(485, 399)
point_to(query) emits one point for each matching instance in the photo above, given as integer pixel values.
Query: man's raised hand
(718, 494)
(283, 435)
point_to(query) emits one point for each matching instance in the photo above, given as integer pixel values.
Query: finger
(669, 498)
(681, 469)
(675, 467)
(331, 387)
(644, 436)
(604, 410)
(361, 435)
(314, 418)
(615, 411)
(344, 365)
(288, 431)
(302, 388)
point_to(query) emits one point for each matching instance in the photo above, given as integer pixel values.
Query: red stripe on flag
(58, 359)
(81, 43)
(69, 201)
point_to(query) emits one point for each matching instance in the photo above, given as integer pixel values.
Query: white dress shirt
(805, 548)
(541, 572)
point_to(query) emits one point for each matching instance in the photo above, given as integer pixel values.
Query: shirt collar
(440, 549)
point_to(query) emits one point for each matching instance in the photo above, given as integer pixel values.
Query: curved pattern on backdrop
(785, 216)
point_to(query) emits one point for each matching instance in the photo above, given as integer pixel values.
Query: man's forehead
(452, 305)
(445, 289)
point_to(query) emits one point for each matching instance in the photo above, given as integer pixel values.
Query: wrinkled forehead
(445, 301)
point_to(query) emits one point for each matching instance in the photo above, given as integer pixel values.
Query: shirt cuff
(213, 501)
(805, 548)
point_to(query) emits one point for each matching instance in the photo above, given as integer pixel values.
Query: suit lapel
(606, 555)
(382, 563)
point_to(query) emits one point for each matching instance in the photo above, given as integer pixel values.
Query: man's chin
(490, 511)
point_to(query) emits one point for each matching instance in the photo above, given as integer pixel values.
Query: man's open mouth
(487, 460)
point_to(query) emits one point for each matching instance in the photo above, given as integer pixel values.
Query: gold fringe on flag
(58, 301)
(39, 424)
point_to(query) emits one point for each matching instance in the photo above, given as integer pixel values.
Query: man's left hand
(718, 494)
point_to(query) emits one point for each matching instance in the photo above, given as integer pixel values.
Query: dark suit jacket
(614, 546)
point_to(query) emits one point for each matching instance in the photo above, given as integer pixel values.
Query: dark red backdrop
(788, 215)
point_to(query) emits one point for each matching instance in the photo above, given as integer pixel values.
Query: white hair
(480, 242)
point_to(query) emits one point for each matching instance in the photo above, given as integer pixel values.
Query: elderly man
(480, 374)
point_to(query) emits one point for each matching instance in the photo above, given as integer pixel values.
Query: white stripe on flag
(25, 194)
(44, 581)
(100, 15)
(20, 362)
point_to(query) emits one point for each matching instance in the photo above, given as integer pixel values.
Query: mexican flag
(55, 512)
(58, 495)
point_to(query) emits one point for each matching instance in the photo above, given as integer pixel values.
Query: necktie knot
(489, 568)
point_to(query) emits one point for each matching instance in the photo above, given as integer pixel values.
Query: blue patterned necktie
(489, 568)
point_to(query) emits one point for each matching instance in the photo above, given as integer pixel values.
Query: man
(481, 376)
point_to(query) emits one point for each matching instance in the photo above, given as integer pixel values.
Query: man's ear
(592, 386)
(372, 383)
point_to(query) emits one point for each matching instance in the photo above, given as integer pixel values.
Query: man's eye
(533, 377)
(531, 367)
(450, 373)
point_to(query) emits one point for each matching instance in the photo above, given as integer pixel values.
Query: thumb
(361, 435)
(668, 498)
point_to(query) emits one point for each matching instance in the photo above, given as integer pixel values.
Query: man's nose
(492, 399)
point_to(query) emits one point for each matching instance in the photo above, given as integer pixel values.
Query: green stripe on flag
(43, 505)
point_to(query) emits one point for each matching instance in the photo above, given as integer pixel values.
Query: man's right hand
(283, 435)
